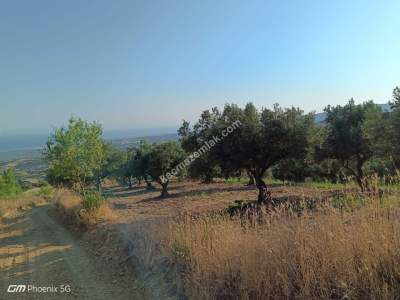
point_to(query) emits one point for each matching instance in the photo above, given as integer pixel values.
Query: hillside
(30, 167)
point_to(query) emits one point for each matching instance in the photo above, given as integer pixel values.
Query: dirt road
(38, 252)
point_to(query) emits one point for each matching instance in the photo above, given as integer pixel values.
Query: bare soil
(36, 250)
(139, 204)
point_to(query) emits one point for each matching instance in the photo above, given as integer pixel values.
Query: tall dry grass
(328, 254)
(70, 205)
(11, 206)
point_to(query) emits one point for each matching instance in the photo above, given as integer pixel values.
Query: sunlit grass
(347, 248)
(11, 206)
(72, 206)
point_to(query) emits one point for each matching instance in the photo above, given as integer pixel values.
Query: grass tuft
(11, 206)
(87, 210)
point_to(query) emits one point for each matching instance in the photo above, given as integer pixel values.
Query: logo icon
(13, 288)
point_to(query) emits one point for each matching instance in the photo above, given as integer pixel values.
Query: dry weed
(328, 254)
(69, 205)
(11, 206)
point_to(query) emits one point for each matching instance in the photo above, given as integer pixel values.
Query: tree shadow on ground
(127, 192)
(18, 266)
(199, 192)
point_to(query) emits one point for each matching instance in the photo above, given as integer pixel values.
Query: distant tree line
(355, 141)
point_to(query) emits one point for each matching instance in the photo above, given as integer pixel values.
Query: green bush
(296, 170)
(236, 207)
(92, 200)
(9, 186)
(26, 185)
(46, 191)
(42, 183)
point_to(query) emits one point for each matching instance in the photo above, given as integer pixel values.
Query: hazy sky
(136, 64)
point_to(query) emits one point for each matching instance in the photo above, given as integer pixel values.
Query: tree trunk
(362, 182)
(98, 184)
(264, 195)
(164, 190)
(251, 179)
(130, 182)
(149, 186)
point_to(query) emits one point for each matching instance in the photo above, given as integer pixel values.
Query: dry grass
(11, 206)
(328, 254)
(99, 215)
(69, 204)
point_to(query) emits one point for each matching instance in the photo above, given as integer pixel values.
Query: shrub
(46, 191)
(82, 210)
(68, 204)
(296, 170)
(91, 200)
(9, 186)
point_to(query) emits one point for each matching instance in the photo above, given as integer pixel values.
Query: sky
(150, 64)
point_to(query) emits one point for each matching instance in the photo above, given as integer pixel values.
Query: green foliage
(140, 166)
(396, 98)
(296, 170)
(137, 163)
(234, 180)
(382, 167)
(207, 166)
(9, 186)
(146, 162)
(328, 170)
(91, 200)
(356, 140)
(376, 128)
(259, 140)
(350, 138)
(161, 160)
(114, 162)
(394, 130)
(237, 207)
(46, 191)
(264, 138)
(75, 154)
(325, 185)
(42, 183)
(179, 249)
(350, 202)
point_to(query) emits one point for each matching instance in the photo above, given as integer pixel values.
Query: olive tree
(394, 133)
(350, 137)
(162, 159)
(114, 161)
(205, 167)
(264, 138)
(75, 154)
(138, 163)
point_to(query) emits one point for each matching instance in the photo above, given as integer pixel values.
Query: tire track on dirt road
(36, 250)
